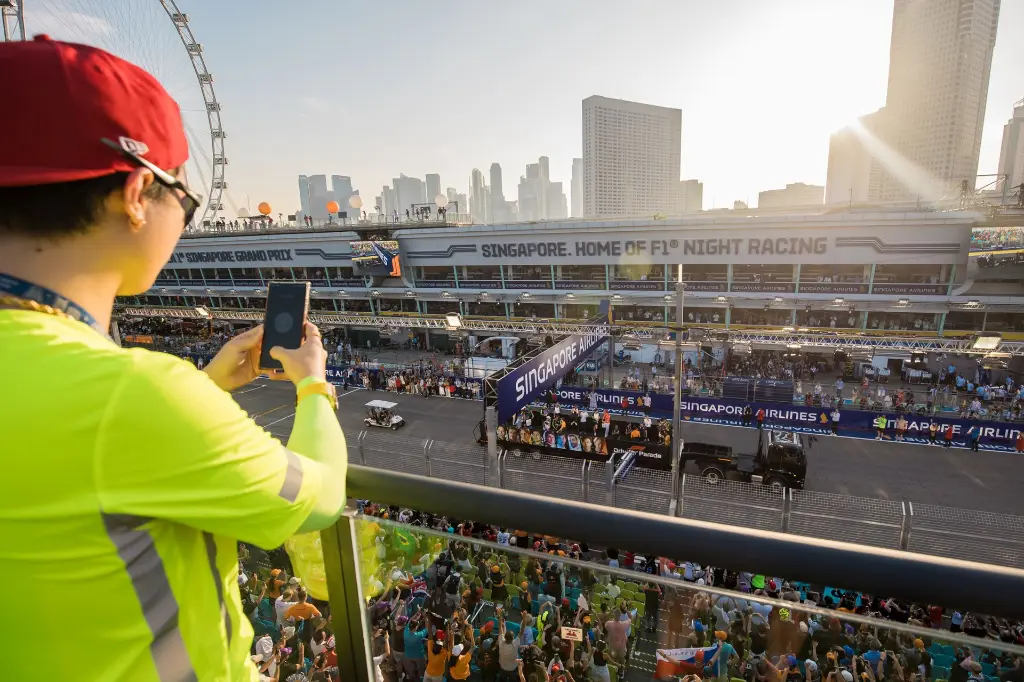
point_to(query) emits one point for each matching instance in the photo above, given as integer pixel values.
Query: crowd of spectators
(997, 238)
(453, 599)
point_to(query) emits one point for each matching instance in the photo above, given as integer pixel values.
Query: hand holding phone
(284, 321)
(309, 360)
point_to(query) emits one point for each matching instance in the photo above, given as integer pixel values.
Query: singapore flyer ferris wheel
(155, 35)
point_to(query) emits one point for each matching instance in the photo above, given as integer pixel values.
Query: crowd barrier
(995, 435)
(925, 529)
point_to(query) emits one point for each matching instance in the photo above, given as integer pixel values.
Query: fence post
(491, 426)
(682, 496)
(586, 480)
(906, 525)
(359, 446)
(787, 505)
(499, 477)
(609, 493)
(426, 456)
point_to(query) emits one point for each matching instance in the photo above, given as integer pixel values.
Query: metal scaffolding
(838, 340)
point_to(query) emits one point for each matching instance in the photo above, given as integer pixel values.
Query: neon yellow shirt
(127, 478)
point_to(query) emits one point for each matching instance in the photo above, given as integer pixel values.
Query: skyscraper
(477, 198)
(433, 186)
(497, 193)
(631, 157)
(554, 202)
(316, 195)
(409, 192)
(576, 192)
(1011, 154)
(498, 205)
(691, 195)
(390, 201)
(458, 198)
(304, 195)
(341, 191)
(851, 157)
(940, 60)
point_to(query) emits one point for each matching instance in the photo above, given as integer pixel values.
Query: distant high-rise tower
(316, 195)
(409, 191)
(940, 61)
(341, 191)
(576, 190)
(477, 196)
(1011, 154)
(498, 205)
(851, 157)
(497, 193)
(631, 158)
(304, 195)
(433, 186)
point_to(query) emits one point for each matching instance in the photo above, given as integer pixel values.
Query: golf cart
(379, 413)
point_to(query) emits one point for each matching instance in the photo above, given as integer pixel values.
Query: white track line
(289, 416)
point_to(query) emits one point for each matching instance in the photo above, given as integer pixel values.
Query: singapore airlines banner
(520, 387)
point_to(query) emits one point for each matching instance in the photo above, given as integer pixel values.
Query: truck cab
(778, 462)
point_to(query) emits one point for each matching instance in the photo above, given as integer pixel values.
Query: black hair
(64, 209)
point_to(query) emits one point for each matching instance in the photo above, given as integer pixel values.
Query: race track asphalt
(956, 477)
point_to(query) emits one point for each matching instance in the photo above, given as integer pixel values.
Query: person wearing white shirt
(282, 604)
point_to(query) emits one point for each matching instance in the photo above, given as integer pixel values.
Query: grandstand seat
(487, 594)
(613, 672)
(940, 673)
(988, 669)
(639, 606)
(942, 660)
(948, 650)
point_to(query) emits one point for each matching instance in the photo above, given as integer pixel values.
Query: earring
(136, 221)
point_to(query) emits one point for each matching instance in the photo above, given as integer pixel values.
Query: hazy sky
(373, 89)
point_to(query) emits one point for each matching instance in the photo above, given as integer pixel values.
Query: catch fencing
(927, 529)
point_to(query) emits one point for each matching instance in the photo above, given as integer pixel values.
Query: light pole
(676, 409)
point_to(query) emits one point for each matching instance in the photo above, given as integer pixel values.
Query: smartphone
(285, 321)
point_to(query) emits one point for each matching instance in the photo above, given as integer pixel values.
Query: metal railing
(886, 524)
(982, 588)
(919, 578)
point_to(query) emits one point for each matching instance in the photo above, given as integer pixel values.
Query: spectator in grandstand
(152, 471)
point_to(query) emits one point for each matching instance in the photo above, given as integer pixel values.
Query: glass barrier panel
(449, 600)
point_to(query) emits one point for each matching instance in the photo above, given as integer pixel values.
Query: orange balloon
(263, 208)
(333, 207)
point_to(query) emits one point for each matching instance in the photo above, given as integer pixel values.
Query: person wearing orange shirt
(462, 654)
(302, 610)
(274, 584)
(437, 659)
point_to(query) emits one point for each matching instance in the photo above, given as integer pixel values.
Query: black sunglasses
(189, 203)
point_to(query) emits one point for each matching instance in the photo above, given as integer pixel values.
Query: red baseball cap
(68, 98)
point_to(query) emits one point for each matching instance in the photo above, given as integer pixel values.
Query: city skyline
(761, 87)
(926, 141)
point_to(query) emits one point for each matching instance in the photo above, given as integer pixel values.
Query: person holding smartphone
(152, 472)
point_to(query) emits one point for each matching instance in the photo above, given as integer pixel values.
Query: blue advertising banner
(519, 387)
(852, 423)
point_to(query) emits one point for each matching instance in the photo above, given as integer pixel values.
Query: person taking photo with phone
(127, 473)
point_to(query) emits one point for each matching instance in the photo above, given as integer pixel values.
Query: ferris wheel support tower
(220, 160)
(12, 16)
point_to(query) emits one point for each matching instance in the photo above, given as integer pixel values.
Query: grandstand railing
(357, 563)
(885, 524)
